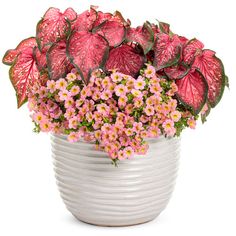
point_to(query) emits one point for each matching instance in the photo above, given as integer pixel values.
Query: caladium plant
(97, 40)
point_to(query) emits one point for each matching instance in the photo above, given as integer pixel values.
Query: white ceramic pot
(97, 192)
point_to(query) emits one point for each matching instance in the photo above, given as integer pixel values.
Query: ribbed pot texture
(97, 192)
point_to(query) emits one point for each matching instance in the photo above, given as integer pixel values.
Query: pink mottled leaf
(192, 91)
(87, 52)
(177, 71)
(70, 14)
(113, 31)
(53, 26)
(167, 51)
(192, 48)
(125, 59)
(85, 21)
(213, 70)
(11, 54)
(57, 61)
(141, 35)
(23, 74)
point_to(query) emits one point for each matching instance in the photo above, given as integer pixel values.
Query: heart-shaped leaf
(87, 51)
(190, 51)
(141, 35)
(11, 54)
(192, 91)
(57, 61)
(164, 27)
(53, 26)
(167, 51)
(70, 14)
(102, 17)
(85, 21)
(40, 58)
(177, 71)
(125, 59)
(23, 74)
(213, 70)
(113, 31)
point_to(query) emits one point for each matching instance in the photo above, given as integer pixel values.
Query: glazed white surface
(97, 192)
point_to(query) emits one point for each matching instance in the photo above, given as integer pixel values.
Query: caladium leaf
(213, 70)
(85, 21)
(113, 31)
(23, 74)
(53, 26)
(191, 50)
(40, 58)
(192, 91)
(125, 59)
(205, 112)
(177, 71)
(141, 35)
(164, 27)
(57, 61)
(102, 17)
(70, 14)
(167, 51)
(11, 54)
(87, 51)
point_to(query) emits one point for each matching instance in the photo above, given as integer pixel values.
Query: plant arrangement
(94, 76)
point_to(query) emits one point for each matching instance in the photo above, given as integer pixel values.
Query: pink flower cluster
(117, 112)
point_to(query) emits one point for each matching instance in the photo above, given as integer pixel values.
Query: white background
(204, 201)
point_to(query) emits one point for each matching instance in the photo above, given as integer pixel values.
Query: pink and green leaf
(87, 51)
(70, 14)
(113, 31)
(23, 74)
(167, 51)
(125, 59)
(191, 50)
(53, 26)
(40, 58)
(177, 71)
(192, 91)
(213, 70)
(144, 36)
(11, 54)
(57, 61)
(85, 21)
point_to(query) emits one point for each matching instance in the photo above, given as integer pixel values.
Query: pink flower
(156, 89)
(38, 117)
(121, 155)
(149, 110)
(154, 132)
(74, 90)
(129, 132)
(139, 83)
(69, 102)
(51, 105)
(128, 152)
(73, 137)
(73, 123)
(71, 77)
(106, 95)
(45, 125)
(106, 82)
(103, 108)
(137, 127)
(42, 92)
(191, 123)
(70, 112)
(64, 95)
(61, 84)
(136, 93)
(150, 71)
(116, 77)
(120, 90)
(51, 85)
(79, 103)
(122, 101)
(168, 126)
(175, 116)
(138, 102)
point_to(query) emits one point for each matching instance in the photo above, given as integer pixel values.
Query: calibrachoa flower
(116, 111)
